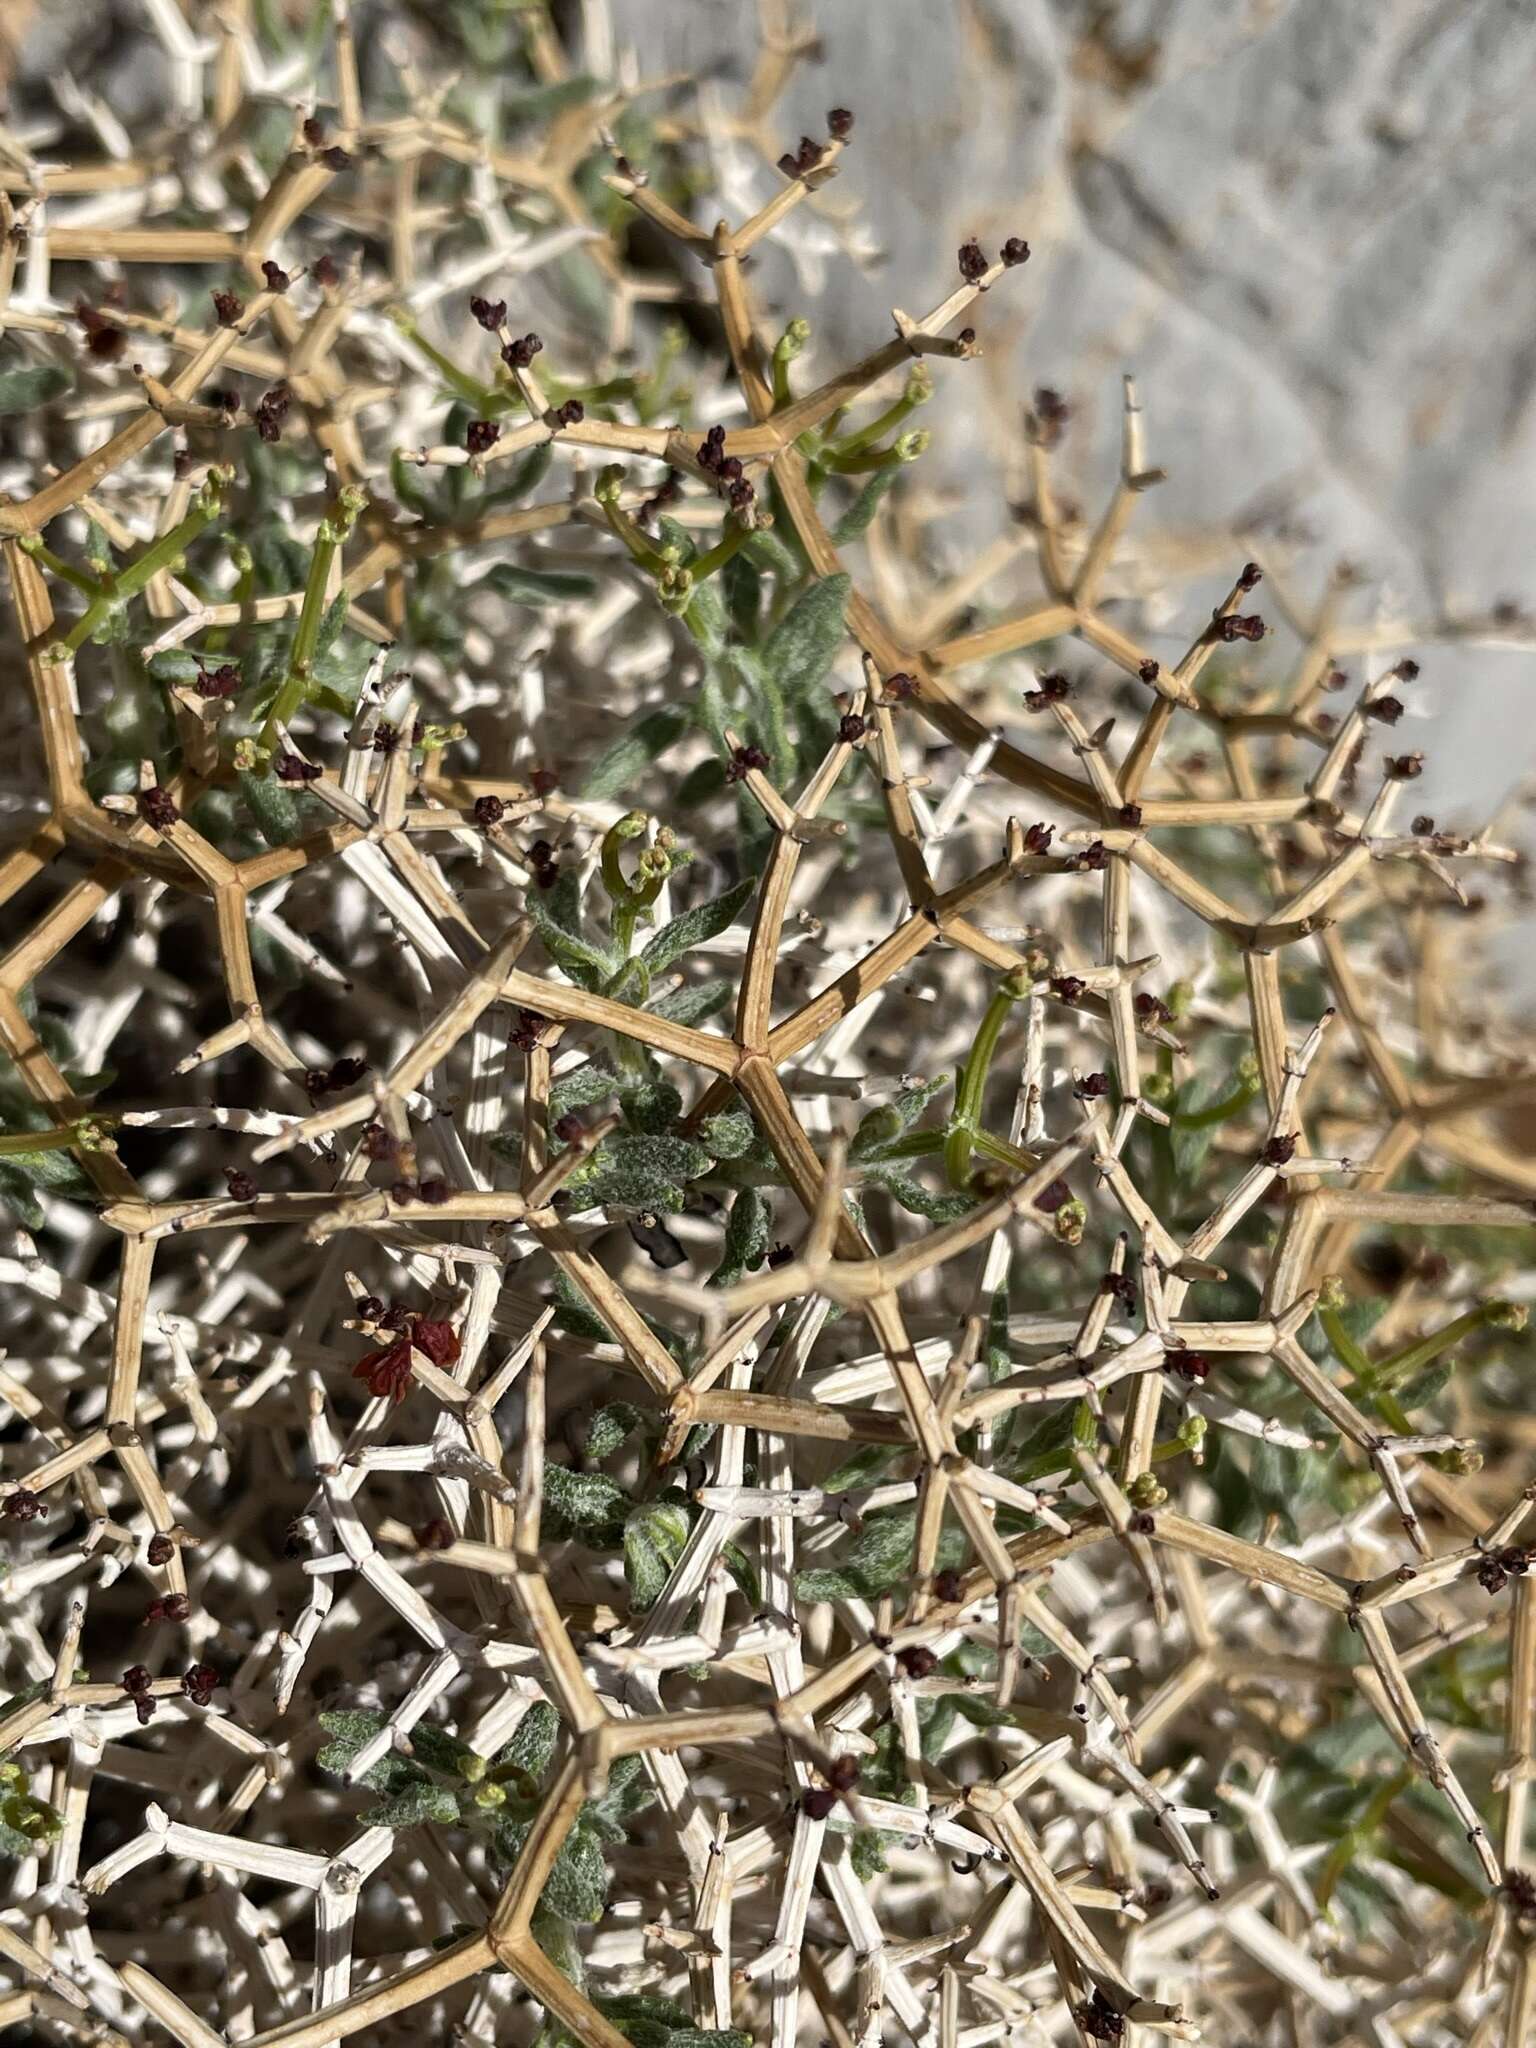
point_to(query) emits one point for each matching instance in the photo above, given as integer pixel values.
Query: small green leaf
(584, 1500)
(629, 756)
(856, 520)
(654, 1536)
(705, 921)
(30, 385)
(531, 1747)
(538, 587)
(747, 1234)
(415, 1804)
(728, 1135)
(610, 1427)
(577, 1886)
(587, 965)
(583, 1088)
(693, 1005)
(272, 807)
(802, 647)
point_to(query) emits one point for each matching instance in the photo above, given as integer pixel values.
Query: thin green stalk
(971, 1083)
(1402, 1365)
(163, 553)
(295, 685)
(33, 544)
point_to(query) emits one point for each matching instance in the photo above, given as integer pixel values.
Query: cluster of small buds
(1388, 710)
(1098, 2018)
(160, 1549)
(1037, 838)
(1094, 857)
(481, 436)
(199, 1682)
(23, 1505)
(743, 761)
(1050, 412)
(157, 807)
(1050, 688)
(1152, 1009)
(948, 1585)
(778, 1255)
(1053, 1198)
(168, 1607)
(491, 313)
(136, 1682)
(1500, 1566)
(730, 481)
(543, 782)
(1251, 577)
(434, 1535)
(378, 1142)
(797, 163)
(1150, 670)
(1068, 988)
(343, 1073)
(1091, 1087)
(527, 1030)
(290, 767)
(216, 683)
(1228, 627)
(851, 728)
(518, 353)
(1279, 1151)
(917, 1660)
(324, 271)
(1405, 767)
(569, 414)
(387, 1371)
(1130, 816)
(227, 308)
(546, 868)
(1519, 1887)
(489, 811)
(1121, 1286)
(272, 409)
(275, 277)
(900, 687)
(240, 1184)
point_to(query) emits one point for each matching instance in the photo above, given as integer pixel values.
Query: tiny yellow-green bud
(1331, 1294)
(910, 446)
(1146, 1490)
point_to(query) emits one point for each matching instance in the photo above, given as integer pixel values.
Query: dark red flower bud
(323, 270)
(136, 1679)
(294, 768)
(1130, 815)
(489, 810)
(271, 410)
(1091, 1087)
(435, 1190)
(1152, 1009)
(372, 1306)
(743, 761)
(843, 1773)
(317, 1081)
(395, 1317)
(1407, 671)
(314, 131)
(851, 728)
(839, 124)
(966, 337)
(741, 494)
(277, 280)
(241, 1185)
(818, 1802)
(569, 1128)
(1037, 838)
(481, 436)
(543, 781)
(168, 1607)
(402, 1191)
(23, 1505)
(1050, 689)
(490, 313)
(1121, 1286)
(1279, 1151)
(1054, 1197)
(1193, 1366)
(385, 738)
(948, 1586)
(1325, 723)
(1404, 767)
(973, 264)
(160, 1549)
(1095, 855)
(1251, 577)
(227, 308)
(1150, 670)
(223, 681)
(1015, 251)
(525, 1033)
(1067, 988)
(1424, 824)
(1388, 709)
(917, 1660)
(157, 807)
(901, 686)
(1230, 626)
(435, 1535)
(346, 1072)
